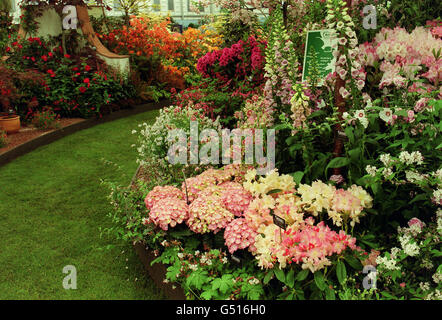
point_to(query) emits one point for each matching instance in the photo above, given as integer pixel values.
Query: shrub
(412, 270)
(5, 31)
(153, 143)
(46, 119)
(12, 86)
(242, 61)
(79, 85)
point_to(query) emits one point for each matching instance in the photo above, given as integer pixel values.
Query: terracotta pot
(10, 124)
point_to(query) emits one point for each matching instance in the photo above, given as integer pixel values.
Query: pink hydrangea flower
(239, 235)
(169, 212)
(160, 192)
(207, 213)
(235, 198)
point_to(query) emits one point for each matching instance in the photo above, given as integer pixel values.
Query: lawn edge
(55, 135)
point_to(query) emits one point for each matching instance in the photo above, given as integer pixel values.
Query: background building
(179, 10)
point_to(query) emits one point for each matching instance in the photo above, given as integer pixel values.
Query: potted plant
(9, 121)
(10, 83)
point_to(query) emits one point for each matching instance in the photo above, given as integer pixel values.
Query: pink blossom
(239, 235)
(416, 221)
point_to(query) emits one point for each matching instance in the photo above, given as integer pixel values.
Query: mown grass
(51, 207)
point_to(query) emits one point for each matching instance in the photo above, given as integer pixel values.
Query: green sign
(318, 57)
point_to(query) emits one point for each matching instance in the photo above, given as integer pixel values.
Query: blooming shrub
(162, 192)
(413, 269)
(162, 58)
(217, 101)
(168, 211)
(142, 38)
(5, 32)
(73, 86)
(12, 83)
(235, 198)
(403, 58)
(193, 186)
(242, 61)
(153, 145)
(208, 213)
(46, 119)
(312, 245)
(357, 157)
(239, 235)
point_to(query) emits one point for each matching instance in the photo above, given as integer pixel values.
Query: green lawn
(51, 207)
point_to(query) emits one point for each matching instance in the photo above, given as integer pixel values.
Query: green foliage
(413, 269)
(5, 31)
(234, 30)
(46, 119)
(79, 85)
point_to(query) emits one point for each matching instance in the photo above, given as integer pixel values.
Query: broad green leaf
(268, 277)
(341, 272)
(280, 275)
(353, 262)
(223, 284)
(338, 162)
(297, 176)
(197, 279)
(419, 197)
(302, 275)
(207, 295)
(290, 278)
(274, 191)
(320, 280)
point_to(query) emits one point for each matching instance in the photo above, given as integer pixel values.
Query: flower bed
(351, 208)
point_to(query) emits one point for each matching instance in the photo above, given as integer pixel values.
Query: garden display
(299, 158)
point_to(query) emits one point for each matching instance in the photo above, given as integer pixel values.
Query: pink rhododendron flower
(312, 246)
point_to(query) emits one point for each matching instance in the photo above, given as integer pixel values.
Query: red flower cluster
(239, 62)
